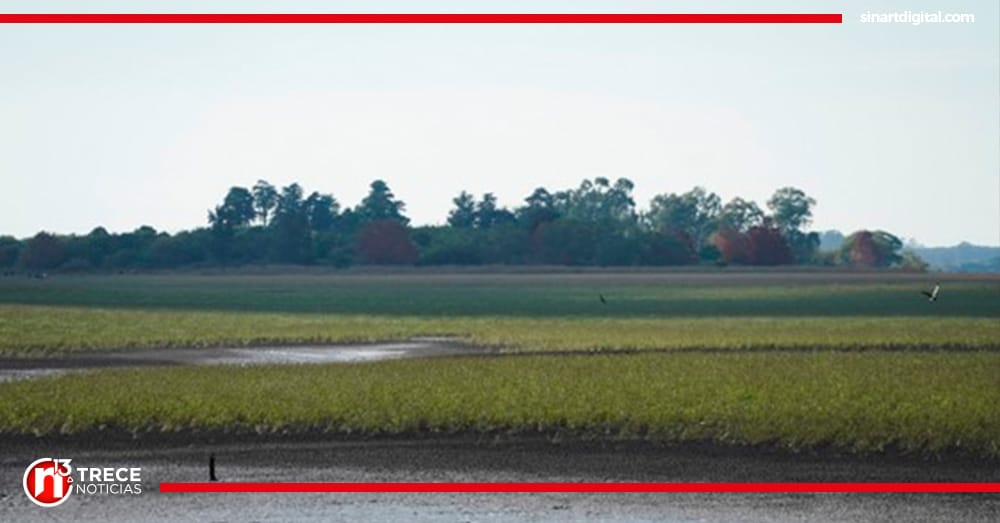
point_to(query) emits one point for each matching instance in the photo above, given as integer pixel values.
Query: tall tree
(9, 249)
(791, 209)
(321, 211)
(599, 201)
(540, 207)
(740, 215)
(292, 240)
(44, 251)
(463, 216)
(240, 203)
(381, 204)
(871, 249)
(694, 213)
(237, 209)
(767, 246)
(489, 215)
(265, 199)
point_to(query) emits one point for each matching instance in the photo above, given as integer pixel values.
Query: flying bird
(932, 296)
(601, 296)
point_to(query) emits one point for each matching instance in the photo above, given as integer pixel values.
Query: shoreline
(775, 463)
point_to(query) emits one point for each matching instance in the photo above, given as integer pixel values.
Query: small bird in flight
(932, 296)
(601, 296)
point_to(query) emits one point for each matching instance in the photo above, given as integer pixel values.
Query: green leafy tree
(381, 204)
(463, 216)
(871, 249)
(488, 214)
(237, 210)
(599, 201)
(791, 209)
(693, 214)
(290, 228)
(740, 215)
(43, 251)
(265, 199)
(321, 211)
(597, 224)
(9, 249)
(540, 207)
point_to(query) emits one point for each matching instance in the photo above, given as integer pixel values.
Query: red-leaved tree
(386, 242)
(767, 246)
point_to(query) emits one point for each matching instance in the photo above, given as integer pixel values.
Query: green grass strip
(859, 402)
(36, 330)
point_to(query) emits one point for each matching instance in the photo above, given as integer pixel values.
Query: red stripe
(580, 487)
(419, 18)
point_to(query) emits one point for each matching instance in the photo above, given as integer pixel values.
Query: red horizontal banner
(582, 487)
(421, 18)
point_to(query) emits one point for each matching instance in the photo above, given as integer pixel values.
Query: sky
(893, 127)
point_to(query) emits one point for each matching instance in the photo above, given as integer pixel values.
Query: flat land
(526, 312)
(798, 361)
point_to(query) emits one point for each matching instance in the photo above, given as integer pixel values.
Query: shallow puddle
(12, 369)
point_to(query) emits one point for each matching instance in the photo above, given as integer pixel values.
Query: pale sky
(892, 127)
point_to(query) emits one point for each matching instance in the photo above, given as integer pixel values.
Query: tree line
(594, 224)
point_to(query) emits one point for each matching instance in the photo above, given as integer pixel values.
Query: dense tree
(767, 246)
(9, 250)
(665, 248)
(740, 215)
(732, 245)
(321, 211)
(292, 241)
(540, 207)
(791, 209)
(265, 199)
(237, 209)
(489, 215)
(693, 215)
(565, 242)
(186, 248)
(599, 201)
(595, 223)
(463, 216)
(450, 245)
(381, 204)
(43, 251)
(871, 249)
(804, 246)
(386, 242)
(99, 246)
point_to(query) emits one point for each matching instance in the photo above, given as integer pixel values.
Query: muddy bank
(459, 460)
(25, 368)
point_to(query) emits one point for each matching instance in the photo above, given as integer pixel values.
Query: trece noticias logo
(48, 482)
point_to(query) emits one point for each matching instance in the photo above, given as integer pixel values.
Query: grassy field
(524, 312)
(905, 373)
(911, 402)
(38, 330)
(629, 295)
